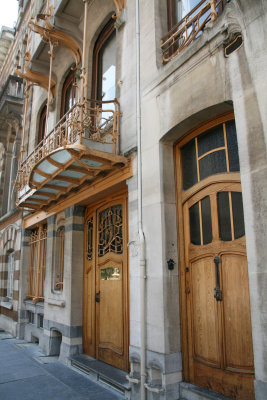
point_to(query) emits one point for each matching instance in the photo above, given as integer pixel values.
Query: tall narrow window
(104, 64)
(36, 274)
(59, 259)
(10, 277)
(42, 124)
(68, 93)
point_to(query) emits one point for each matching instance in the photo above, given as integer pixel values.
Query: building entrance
(219, 340)
(105, 326)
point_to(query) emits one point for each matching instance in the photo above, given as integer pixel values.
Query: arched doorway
(215, 290)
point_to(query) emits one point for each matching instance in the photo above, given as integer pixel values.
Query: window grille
(36, 275)
(59, 262)
(10, 278)
(31, 317)
(41, 321)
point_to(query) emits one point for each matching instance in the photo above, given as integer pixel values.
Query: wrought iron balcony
(189, 28)
(83, 144)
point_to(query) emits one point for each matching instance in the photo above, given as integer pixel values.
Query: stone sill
(6, 304)
(55, 302)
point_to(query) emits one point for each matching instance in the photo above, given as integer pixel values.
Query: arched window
(104, 64)
(68, 93)
(42, 124)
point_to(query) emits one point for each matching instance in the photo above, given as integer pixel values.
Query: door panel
(237, 324)
(110, 330)
(105, 335)
(220, 340)
(204, 311)
(89, 286)
(217, 337)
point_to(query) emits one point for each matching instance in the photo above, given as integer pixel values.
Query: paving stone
(25, 376)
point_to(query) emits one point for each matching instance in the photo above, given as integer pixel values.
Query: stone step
(193, 392)
(104, 373)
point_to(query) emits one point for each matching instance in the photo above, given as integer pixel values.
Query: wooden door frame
(183, 280)
(91, 209)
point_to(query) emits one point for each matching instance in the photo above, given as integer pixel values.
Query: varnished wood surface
(216, 335)
(106, 323)
(220, 339)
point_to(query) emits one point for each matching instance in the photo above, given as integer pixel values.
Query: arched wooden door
(220, 354)
(105, 325)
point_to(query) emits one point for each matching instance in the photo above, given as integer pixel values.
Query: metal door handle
(217, 290)
(97, 297)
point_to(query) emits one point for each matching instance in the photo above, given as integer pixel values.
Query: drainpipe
(142, 259)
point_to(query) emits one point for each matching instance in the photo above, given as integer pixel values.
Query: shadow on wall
(55, 342)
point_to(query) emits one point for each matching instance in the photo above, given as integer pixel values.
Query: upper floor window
(104, 64)
(178, 9)
(186, 21)
(42, 124)
(68, 93)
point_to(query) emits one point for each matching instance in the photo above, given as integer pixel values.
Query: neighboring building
(155, 265)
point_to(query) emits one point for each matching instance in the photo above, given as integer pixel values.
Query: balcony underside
(63, 170)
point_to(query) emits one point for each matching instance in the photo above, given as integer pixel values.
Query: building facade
(133, 190)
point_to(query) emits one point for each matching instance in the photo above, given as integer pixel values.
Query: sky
(8, 12)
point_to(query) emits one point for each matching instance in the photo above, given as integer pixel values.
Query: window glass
(206, 220)
(68, 93)
(183, 7)
(206, 154)
(42, 124)
(194, 224)
(211, 164)
(108, 68)
(59, 259)
(210, 140)
(232, 146)
(238, 214)
(224, 216)
(189, 165)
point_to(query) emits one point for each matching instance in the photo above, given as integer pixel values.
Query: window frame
(104, 35)
(69, 81)
(10, 274)
(42, 124)
(59, 252)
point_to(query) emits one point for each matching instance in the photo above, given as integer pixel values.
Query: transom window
(212, 152)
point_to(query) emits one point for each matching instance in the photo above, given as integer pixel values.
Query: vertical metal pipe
(84, 75)
(142, 261)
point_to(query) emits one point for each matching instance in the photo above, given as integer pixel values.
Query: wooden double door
(216, 290)
(105, 305)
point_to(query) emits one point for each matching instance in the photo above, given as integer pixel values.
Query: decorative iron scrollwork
(90, 239)
(110, 238)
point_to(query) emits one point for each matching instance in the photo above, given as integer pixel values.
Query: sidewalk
(26, 374)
